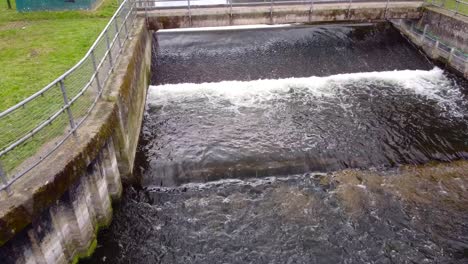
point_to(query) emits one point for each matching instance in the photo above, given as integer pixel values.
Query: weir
(294, 143)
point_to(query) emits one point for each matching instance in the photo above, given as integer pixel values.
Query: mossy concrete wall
(55, 211)
(447, 29)
(452, 29)
(282, 14)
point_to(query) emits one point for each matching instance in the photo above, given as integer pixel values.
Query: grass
(451, 5)
(35, 49)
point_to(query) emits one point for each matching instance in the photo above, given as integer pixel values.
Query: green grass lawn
(452, 5)
(37, 47)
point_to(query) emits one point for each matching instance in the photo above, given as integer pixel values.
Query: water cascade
(296, 144)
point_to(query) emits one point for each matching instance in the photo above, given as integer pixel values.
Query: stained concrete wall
(452, 29)
(447, 30)
(283, 14)
(55, 212)
(67, 229)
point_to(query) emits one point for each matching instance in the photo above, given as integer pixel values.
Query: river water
(324, 144)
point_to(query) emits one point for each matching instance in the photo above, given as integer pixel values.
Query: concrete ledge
(282, 14)
(55, 211)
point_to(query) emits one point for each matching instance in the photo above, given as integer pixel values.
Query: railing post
(423, 36)
(311, 10)
(435, 51)
(349, 9)
(67, 107)
(230, 12)
(457, 3)
(135, 13)
(189, 13)
(118, 35)
(271, 12)
(146, 13)
(452, 50)
(109, 52)
(4, 180)
(386, 8)
(93, 59)
(125, 26)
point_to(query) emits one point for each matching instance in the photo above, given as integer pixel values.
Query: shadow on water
(246, 158)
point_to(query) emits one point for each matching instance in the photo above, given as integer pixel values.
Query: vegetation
(452, 5)
(37, 47)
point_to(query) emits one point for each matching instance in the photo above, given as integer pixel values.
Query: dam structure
(252, 132)
(295, 144)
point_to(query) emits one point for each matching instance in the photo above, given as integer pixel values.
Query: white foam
(231, 181)
(432, 84)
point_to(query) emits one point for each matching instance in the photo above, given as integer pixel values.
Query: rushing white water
(254, 128)
(432, 85)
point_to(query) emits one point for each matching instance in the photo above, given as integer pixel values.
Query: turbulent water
(232, 129)
(417, 216)
(330, 144)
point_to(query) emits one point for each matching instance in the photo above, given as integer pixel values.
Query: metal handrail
(457, 6)
(437, 46)
(94, 76)
(151, 4)
(78, 64)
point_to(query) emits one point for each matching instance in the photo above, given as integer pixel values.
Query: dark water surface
(252, 54)
(418, 215)
(292, 145)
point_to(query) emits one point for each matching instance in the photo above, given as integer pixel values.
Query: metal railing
(456, 58)
(458, 7)
(148, 5)
(187, 4)
(33, 129)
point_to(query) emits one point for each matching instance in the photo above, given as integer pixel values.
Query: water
(253, 152)
(417, 215)
(281, 52)
(199, 132)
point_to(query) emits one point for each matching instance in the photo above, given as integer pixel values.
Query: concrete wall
(55, 212)
(453, 30)
(282, 14)
(446, 30)
(68, 228)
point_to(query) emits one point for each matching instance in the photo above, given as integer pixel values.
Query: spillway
(296, 144)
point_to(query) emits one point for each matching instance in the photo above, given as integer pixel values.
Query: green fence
(35, 5)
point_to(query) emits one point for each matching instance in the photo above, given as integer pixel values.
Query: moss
(92, 247)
